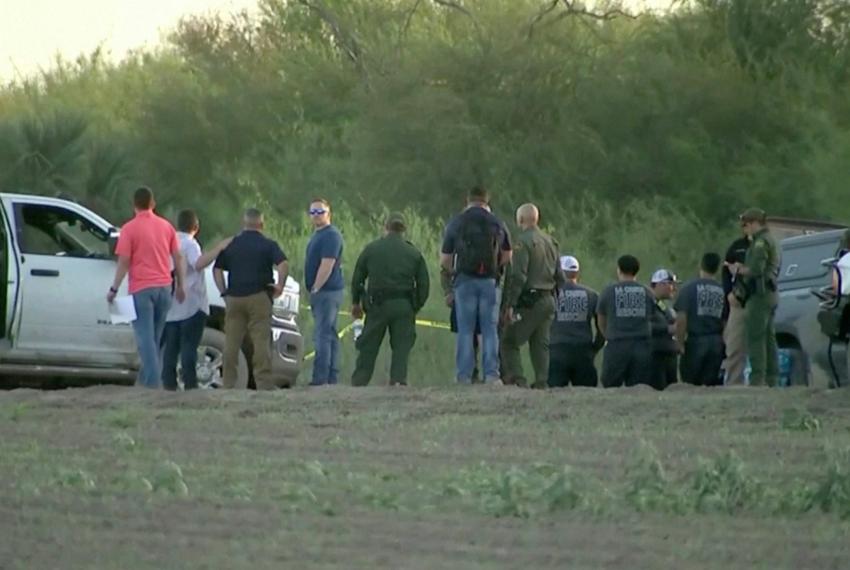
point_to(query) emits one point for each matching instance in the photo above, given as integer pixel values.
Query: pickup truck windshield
(51, 230)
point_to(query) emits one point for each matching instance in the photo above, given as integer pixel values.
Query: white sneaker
(494, 382)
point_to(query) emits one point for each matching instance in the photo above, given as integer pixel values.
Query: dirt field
(113, 477)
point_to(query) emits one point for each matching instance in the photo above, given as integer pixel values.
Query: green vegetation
(688, 474)
(715, 106)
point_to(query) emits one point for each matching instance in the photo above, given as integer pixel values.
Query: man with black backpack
(475, 245)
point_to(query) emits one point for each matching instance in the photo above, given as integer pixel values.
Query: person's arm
(602, 324)
(517, 276)
(506, 249)
(179, 275)
(121, 269)
(423, 284)
(681, 330)
(206, 259)
(757, 262)
(218, 277)
(598, 338)
(358, 284)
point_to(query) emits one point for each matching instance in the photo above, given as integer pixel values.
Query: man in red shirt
(148, 249)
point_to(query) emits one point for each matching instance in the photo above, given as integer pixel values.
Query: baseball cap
(663, 276)
(569, 263)
(396, 218)
(753, 215)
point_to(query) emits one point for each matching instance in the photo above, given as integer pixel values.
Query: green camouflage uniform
(529, 288)
(398, 286)
(762, 264)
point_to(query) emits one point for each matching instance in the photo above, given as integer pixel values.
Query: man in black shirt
(699, 325)
(664, 348)
(734, 333)
(249, 261)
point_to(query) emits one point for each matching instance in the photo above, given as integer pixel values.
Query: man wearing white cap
(665, 350)
(572, 343)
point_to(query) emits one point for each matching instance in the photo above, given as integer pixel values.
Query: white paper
(122, 310)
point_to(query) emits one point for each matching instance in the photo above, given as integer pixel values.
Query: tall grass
(659, 235)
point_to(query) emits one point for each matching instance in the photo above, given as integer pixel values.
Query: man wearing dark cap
(759, 297)
(390, 285)
(664, 348)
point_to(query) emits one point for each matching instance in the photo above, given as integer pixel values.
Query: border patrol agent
(398, 287)
(759, 297)
(529, 298)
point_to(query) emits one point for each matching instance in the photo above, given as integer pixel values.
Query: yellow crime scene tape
(421, 322)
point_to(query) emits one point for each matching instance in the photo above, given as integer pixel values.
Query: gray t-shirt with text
(627, 306)
(575, 308)
(702, 300)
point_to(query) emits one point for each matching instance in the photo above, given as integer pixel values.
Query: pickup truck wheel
(209, 368)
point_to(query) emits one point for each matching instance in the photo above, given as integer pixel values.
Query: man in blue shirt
(476, 245)
(323, 277)
(249, 260)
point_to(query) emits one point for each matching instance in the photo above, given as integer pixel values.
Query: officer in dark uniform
(397, 289)
(529, 299)
(759, 297)
(664, 348)
(573, 344)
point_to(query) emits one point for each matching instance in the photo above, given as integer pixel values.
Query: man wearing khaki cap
(758, 295)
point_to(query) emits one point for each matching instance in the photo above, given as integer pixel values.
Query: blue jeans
(152, 306)
(325, 308)
(181, 338)
(477, 307)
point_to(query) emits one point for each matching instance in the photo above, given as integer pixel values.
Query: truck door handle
(44, 272)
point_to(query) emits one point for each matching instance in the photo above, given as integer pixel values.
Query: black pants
(700, 365)
(626, 361)
(663, 371)
(571, 364)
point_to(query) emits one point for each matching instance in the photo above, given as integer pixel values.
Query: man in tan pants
(734, 332)
(249, 259)
(735, 339)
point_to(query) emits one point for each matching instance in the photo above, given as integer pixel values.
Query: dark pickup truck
(805, 269)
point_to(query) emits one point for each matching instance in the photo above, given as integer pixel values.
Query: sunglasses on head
(316, 211)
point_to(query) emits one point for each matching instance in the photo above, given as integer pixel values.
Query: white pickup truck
(58, 260)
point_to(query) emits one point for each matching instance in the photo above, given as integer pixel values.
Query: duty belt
(378, 296)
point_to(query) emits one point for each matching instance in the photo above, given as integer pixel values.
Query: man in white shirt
(185, 321)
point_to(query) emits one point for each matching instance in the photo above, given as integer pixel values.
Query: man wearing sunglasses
(323, 278)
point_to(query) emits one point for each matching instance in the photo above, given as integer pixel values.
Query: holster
(378, 296)
(741, 291)
(530, 297)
